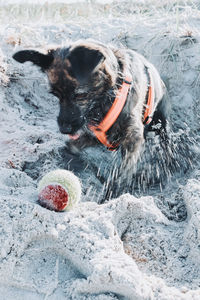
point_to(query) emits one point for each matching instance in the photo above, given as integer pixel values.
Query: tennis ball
(59, 190)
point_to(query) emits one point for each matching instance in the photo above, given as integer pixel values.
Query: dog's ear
(42, 60)
(83, 61)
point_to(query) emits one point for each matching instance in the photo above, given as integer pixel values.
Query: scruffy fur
(85, 77)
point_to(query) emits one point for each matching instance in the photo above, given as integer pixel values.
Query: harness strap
(112, 115)
(150, 101)
(116, 108)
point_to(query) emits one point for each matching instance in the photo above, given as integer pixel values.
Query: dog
(108, 95)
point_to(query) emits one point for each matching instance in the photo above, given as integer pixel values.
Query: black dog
(107, 95)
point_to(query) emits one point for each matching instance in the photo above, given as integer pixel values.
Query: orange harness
(149, 107)
(114, 112)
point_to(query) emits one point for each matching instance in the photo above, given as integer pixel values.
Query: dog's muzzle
(70, 119)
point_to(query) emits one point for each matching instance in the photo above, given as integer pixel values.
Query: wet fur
(85, 77)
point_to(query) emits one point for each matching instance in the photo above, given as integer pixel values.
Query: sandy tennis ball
(59, 190)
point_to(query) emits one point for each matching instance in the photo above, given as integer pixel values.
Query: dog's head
(80, 76)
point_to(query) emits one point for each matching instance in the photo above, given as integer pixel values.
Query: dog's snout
(70, 120)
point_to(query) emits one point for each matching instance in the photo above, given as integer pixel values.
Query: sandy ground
(144, 244)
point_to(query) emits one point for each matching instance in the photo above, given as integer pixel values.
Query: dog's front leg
(121, 178)
(131, 150)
